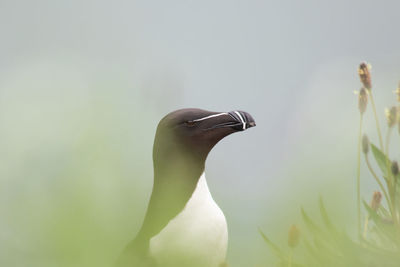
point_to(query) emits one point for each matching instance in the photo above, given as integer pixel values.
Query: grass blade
(274, 247)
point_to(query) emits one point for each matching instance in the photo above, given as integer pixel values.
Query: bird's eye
(190, 123)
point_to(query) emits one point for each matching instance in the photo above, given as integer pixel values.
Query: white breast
(198, 236)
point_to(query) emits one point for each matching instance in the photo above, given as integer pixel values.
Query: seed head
(391, 116)
(365, 144)
(376, 200)
(398, 92)
(294, 236)
(365, 75)
(362, 100)
(395, 168)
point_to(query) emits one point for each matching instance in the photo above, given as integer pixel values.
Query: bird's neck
(175, 180)
(179, 167)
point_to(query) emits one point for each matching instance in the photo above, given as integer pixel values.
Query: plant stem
(380, 184)
(394, 197)
(376, 119)
(366, 227)
(392, 179)
(388, 134)
(358, 177)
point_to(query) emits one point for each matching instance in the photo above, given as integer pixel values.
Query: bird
(183, 225)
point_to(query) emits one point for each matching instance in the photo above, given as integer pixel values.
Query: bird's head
(194, 132)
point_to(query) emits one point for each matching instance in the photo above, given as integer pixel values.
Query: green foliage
(382, 160)
(323, 244)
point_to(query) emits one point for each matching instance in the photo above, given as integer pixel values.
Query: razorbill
(183, 225)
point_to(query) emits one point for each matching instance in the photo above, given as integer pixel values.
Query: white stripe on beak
(241, 119)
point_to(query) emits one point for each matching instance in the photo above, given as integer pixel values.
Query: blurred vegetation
(376, 239)
(71, 173)
(72, 193)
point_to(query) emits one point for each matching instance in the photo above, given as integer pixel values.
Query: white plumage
(198, 234)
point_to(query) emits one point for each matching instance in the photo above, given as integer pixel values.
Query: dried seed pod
(376, 200)
(294, 236)
(395, 168)
(365, 75)
(365, 144)
(391, 116)
(362, 100)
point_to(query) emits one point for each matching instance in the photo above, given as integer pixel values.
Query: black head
(192, 133)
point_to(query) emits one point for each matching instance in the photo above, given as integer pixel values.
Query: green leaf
(274, 247)
(381, 159)
(385, 229)
(372, 214)
(384, 211)
(313, 253)
(310, 224)
(325, 216)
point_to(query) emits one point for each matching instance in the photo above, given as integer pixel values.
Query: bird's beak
(245, 119)
(237, 120)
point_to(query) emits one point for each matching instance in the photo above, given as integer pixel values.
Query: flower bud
(365, 144)
(294, 236)
(376, 200)
(395, 168)
(391, 116)
(365, 75)
(362, 100)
